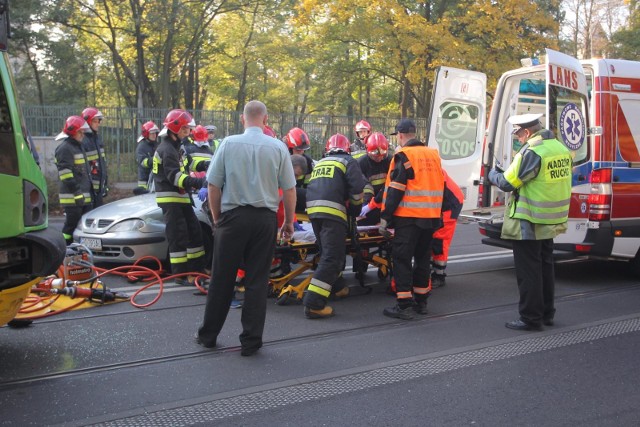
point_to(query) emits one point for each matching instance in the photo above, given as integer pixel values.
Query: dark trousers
(184, 234)
(372, 218)
(245, 236)
(331, 238)
(533, 260)
(72, 214)
(412, 243)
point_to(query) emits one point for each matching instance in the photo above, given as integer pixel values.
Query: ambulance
(592, 106)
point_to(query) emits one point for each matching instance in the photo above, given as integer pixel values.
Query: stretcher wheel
(283, 298)
(383, 273)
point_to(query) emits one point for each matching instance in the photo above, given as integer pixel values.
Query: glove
(498, 168)
(382, 229)
(297, 227)
(365, 210)
(202, 194)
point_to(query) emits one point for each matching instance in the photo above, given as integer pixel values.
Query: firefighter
(173, 186)
(73, 170)
(374, 166)
(412, 205)
(539, 179)
(298, 143)
(147, 144)
(334, 193)
(94, 148)
(359, 146)
(199, 151)
(451, 207)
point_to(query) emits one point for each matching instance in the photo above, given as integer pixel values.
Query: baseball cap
(524, 121)
(405, 126)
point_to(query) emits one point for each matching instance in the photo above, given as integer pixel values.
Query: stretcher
(364, 244)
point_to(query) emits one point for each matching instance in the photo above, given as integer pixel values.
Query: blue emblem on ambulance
(573, 129)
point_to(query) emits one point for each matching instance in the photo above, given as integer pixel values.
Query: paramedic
(412, 205)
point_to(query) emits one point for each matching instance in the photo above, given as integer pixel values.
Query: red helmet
(200, 134)
(73, 124)
(267, 130)
(363, 126)
(298, 139)
(91, 113)
(177, 119)
(149, 127)
(337, 143)
(377, 146)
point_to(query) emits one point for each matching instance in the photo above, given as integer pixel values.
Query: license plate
(95, 244)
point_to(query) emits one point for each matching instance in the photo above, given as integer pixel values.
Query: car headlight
(128, 225)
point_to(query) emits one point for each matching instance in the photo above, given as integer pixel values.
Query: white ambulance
(593, 106)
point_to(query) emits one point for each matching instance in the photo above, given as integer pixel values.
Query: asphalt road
(119, 365)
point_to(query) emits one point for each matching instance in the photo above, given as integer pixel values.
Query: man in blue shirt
(244, 177)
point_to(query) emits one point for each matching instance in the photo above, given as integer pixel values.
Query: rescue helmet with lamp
(177, 119)
(298, 139)
(338, 143)
(200, 134)
(91, 113)
(377, 146)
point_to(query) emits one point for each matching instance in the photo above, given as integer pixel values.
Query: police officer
(539, 179)
(73, 171)
(333, 193)
(95, 154)
(412, 204)
(374, 166)
(147, 143)
(173, 186)
(211, 137)
(359, 146)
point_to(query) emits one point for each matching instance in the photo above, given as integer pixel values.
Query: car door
(457, 125)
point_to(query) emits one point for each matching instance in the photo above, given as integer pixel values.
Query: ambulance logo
(572, 126)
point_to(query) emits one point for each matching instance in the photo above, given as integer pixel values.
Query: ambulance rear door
(567, 115)
(457, 125)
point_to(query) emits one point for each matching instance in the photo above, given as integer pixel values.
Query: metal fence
(121, 127)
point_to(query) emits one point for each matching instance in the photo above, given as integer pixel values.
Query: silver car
(129, 229)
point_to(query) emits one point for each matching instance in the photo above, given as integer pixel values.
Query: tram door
(457, 126)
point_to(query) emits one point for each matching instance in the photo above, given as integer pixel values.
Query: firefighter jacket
(453, 197)
(144, 159)
(358, 148)
(335, 189)
(172, 183)
(376, 175)
(415, 185)
(73, 170)
(539, 179)
(197, 157)
(94, 148)
(303, 180)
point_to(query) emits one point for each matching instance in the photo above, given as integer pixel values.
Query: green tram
(28, 249)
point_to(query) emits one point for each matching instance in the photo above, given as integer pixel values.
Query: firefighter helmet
(177, 119)
(377, 146)
(149, 127)
(91, 113)
(298, 139)
(338, 143)
(73, 124)
(267, 130)
(363, 129)
(200, 134)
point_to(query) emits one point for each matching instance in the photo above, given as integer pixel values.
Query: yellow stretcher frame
(366, 246)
